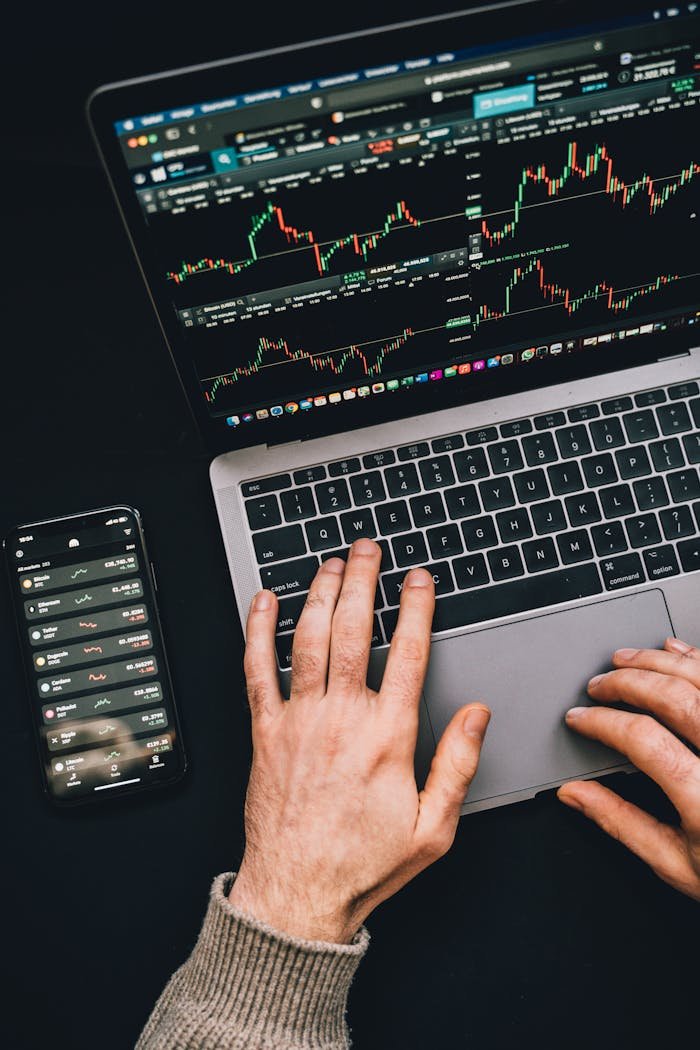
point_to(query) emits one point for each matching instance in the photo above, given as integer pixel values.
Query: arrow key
(689, 553)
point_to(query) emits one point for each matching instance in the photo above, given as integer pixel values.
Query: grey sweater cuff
(248, 985)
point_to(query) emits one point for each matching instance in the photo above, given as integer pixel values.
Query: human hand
(335, 823)
(666, 684)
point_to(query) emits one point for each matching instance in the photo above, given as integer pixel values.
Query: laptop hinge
(282, 444)
(673, 357)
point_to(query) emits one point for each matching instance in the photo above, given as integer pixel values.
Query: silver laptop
(438, 284)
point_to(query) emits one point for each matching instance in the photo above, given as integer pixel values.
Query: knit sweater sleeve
(248, 985)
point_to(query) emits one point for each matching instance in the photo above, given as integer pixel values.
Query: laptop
(437, 284)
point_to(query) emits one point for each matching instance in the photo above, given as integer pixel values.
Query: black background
(536, 930)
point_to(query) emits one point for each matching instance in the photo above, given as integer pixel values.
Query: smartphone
(99, 687)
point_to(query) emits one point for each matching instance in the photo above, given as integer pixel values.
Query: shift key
(277, 544)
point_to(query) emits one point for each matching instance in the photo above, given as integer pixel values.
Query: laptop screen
(376, 232)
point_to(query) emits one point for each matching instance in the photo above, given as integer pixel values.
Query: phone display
(100, 690)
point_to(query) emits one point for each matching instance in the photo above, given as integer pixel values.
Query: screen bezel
(88, 519)
(527, 21)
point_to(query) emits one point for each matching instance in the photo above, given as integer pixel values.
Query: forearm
(247, 985)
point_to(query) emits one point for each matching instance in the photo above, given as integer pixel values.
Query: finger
(452, 771)
(260, 660)
(651, 748)
(351, 631)
(672, 699)
(313, 632)
(661, 660)
(659, 845)
(407, 662)
(675, 645)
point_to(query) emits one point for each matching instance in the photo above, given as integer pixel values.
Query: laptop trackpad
(530, 673)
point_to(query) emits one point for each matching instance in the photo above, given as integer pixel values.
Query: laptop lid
(373, 226)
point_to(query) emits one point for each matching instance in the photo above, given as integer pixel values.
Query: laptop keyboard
(507, 519)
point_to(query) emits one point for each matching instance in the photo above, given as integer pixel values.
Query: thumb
(452, 771)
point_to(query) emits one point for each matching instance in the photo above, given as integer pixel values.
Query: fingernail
(418, 578)
(626, 654)
(336, 565)
(262, 601)
(595, 680)
(678, 646)
(575, 712)
(363, 547)
(476, 720)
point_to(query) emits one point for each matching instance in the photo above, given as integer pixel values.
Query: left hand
(665, 684)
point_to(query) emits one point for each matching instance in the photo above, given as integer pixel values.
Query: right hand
(665, 684)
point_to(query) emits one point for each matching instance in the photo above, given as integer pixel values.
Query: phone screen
(99, 685)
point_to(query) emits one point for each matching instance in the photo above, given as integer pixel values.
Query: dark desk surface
(536, 930)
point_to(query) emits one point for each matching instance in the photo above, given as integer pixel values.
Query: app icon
(262, 413)
(527, 355)
(478, 366)
(555, 348)
(305, 404)
(233, 421)
(493, 362)
(392, 384)
(570, 344)
(436, 374)
(377, 388)
(349, 395)
(407, 381)
(247, 417)
(422, 377)
(450, 372)
(276, 410)
(363, 391)
(291, 407)
(320, 401)
(542, 351)
(464, 369)
(506, 359)
(334, 398)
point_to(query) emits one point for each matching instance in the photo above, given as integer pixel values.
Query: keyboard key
(402, 481)
(358, 523)
(288, 612)
(518, 596)
(332, 496)
(696, 512)
(428, 509)
(505, 563)
(651, 493)
(343, 466)
(368, 488)
(643, 530)
(277, 544)
(505, 457)
(640, 426)
(548, 517)
(695, 409)
(684, 485)
(436, 473)
(471, 465)
(599, 470)
(497, 494)
(583, 509)
(470, 571)
(531, 485)
(263, 512)
(462, 502)
(683, 390)
(660, 562)
(479, 534)
(385, 564)
(616, 502)
(667, 455)
(691, 444)
(445, 541)
(574, 546)
(309, 474)
(416, 451)
(615, 405)
(392, 582)
(283, 645)
(609, 539)
(689, 553)
(448, 444)
(264, 485)
(677, 523)
(540, 555)
(633, 462)
(323, 534)
(650, 397)
(624, 571)
(289, 577)
(565, 478)
(582, 413)
(550, 420)
(674, 419)
(481, 437)
(573, 441)
(379, 459)
(442, 577)
(518, 428)
(393, 517)
(409, 550)
(298, 504)
(514, 525)
(377, 634)
(539, 449)
(607, 433)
